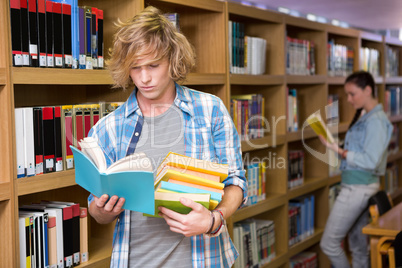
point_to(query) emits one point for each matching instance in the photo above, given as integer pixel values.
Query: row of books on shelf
(370, 60)
(247, 54)
(391, 178)
(392, 62)
(295, 168)
(256, 180)
(57, 34)
(248, 115)
(292, 110)
(300, 56)
(53, 234)
(292, 115)
(255, 241)
(340, 59)
(393, 146)
(305, 259)
(301, 218)
(44, 134)
(392, 101)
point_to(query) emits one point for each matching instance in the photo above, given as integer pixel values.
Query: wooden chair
(380, 203)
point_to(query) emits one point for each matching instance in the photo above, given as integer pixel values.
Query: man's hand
(105, 210)
(197, 222)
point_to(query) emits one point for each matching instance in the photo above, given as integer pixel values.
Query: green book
(171, 201)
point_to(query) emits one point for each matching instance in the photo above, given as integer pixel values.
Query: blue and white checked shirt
(209, 135)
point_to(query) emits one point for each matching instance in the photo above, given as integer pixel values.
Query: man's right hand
(105, 210)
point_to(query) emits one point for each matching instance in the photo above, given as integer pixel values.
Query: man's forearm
(231, 200)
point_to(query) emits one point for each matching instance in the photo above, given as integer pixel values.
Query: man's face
(152, 79)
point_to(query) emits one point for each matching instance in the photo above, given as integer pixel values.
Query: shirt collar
(377, 108)
(182, 100)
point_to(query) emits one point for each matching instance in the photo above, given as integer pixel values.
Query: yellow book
(320, 128)
(190, 163)
(168, 173)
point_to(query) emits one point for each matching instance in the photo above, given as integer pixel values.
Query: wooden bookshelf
(205, 23)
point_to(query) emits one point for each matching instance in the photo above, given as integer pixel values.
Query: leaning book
(317, 124)
(130, 177)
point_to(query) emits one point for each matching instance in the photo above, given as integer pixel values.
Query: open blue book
(130, 177)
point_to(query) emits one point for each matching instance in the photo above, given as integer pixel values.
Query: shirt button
(136, 134)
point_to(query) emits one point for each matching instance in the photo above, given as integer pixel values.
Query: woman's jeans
(347, 217)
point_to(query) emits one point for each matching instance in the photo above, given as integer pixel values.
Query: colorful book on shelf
(130, 177)
(171, 201)
(317, 124)
(84, 234)
(190, 163)
(52, 242)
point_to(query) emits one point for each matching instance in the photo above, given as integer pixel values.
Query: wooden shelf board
(306, 243)
(309, 133)
(310, 184)
(340, 128)
(3, 78)
(5, 191)
(45, 182)
(201, 4)
(279, 260)
(245, 79)
(262, 143)
(55, 76)
(254, 13)
(379, 79)
(389, 40)
(334, 179)
(272, 201)
(395, 118)
(371, 36)
(306, 79)
(205, 79)
(332, 29)
(100, 252)
(297, 135)
(336, 80)
(304, 23)
(393, 80)
(395, 156)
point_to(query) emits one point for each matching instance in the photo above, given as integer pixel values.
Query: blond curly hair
(149, 33)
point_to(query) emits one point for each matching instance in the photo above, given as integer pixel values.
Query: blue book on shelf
(136, 186)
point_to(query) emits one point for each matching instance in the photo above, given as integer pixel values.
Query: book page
(136, 161)
(90, 147)
(317, 124)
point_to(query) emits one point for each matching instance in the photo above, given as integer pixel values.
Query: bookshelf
(205, 23)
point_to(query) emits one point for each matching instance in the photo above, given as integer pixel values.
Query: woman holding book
(161, 116)
(363, 161)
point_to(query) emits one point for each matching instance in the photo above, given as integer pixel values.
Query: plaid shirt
(209, 135)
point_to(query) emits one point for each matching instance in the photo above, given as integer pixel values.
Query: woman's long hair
(361, 79)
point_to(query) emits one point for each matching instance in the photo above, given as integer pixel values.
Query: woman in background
(363, 160)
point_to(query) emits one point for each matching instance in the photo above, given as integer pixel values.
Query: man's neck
(152, 108)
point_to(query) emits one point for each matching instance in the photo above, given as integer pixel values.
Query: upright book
(33, 33)
(15, 19)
